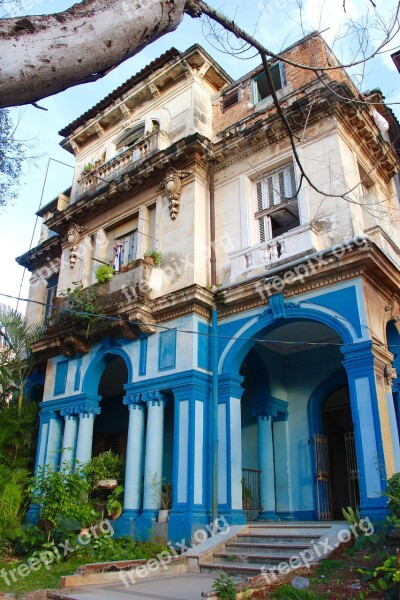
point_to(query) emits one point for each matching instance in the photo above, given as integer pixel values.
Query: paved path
(176, 587)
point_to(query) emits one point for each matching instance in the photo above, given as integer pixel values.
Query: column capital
(154, 398)
(133, 400)
(67, 411)
(87, 408)
(229, 386)
(273, 408)
(358, 357)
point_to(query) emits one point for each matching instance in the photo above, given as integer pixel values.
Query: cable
(165, 327)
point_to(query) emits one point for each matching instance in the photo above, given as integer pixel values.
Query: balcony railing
(292, 243)
(144, 148)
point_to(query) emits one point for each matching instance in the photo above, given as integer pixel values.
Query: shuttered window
(230, 98)
(277, 206)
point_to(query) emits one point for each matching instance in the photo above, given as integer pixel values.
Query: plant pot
(115, 514)
(149, 259)
(163, 515)
(107, 484)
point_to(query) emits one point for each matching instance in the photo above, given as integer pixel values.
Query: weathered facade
(307, 308)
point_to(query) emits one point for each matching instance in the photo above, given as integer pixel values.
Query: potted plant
(104, 273)
(166, 502)
(246, 496)
(87, 168)
(104, 470)
(114, 505)
(153, 257)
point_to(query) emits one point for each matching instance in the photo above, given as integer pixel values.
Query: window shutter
(260, 202)
(292, 180)
(230, 98)
(132, 247)
(261, 227)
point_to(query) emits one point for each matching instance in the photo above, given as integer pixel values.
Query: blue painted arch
(99, 363)
(268, 322)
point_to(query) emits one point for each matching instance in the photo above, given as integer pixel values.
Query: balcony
(126, 298)
(291, 244)
(144, 148)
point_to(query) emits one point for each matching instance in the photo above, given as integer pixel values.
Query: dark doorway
(111, 425)
(339, 432)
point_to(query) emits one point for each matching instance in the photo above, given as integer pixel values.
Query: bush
(60, 497)
(104, 273)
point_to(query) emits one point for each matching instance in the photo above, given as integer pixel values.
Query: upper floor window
(277, 206)
(51, 293)
(261, 87)
(230, 98)
(124, 242)
(129, 137)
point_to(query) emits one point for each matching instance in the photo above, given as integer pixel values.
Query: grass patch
(327, 568)
(287, 592)
(36, 580)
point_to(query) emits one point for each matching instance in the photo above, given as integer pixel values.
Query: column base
(268, 515)
(145, 525)
(285, 516)
(374, 513)
(191, 527)
(32, 516)
(124, 525)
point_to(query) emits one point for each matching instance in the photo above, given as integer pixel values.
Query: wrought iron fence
(251, 493)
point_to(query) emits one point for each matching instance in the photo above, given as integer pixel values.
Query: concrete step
(289, 538)
(237, 569)
(284, 549)
(292, 529)
(250, 557)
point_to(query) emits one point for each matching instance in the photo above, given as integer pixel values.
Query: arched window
(129, 137)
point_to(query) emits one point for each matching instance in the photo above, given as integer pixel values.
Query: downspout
(214, 356)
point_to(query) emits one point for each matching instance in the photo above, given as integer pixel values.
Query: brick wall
(311, 51)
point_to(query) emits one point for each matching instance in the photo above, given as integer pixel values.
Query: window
(261, 87)
(124, 242)
(366, 182)
(230, 98)
(277, 206)
(129, 137)
(50, 295)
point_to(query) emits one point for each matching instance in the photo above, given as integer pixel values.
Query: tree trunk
(43, 55)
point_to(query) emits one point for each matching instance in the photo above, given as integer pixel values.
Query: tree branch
(50, 53)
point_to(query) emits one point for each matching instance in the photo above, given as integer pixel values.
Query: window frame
(278, 201)
(256, 93)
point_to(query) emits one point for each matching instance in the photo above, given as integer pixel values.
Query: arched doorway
(286, 363)
(338, 446)
(111, 425)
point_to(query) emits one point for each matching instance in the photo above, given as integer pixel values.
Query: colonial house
(289, 394)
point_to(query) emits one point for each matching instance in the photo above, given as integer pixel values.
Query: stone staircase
(262, 547)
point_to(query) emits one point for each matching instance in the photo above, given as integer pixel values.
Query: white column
(266, 465)
(53, 441)
(282, 469)
(236, 453)
(87, 412)
(134, 454)
(154, 451)
(69, 441)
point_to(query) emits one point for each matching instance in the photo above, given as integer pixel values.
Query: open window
(124, 247)
(260, 84)
(277, 205)
(129, 137)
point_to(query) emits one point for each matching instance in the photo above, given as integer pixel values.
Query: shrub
(104, 273)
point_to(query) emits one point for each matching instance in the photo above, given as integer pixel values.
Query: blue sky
(276, 23)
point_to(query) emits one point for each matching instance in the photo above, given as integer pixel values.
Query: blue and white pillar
(44, 420)
(230, 448)
(69, 438)
(190, 506)
(87, 412)
(283, 484)
(366, 376)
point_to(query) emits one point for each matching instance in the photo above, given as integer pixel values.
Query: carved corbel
(172, 186)
(154, 90)
(73, 238)
(99, 129)
(75, 147)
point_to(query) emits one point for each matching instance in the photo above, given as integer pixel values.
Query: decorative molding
(133, 400)
(154, 398)
(172, 186)
(278, 307)
(73, 238)
(87, 407)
